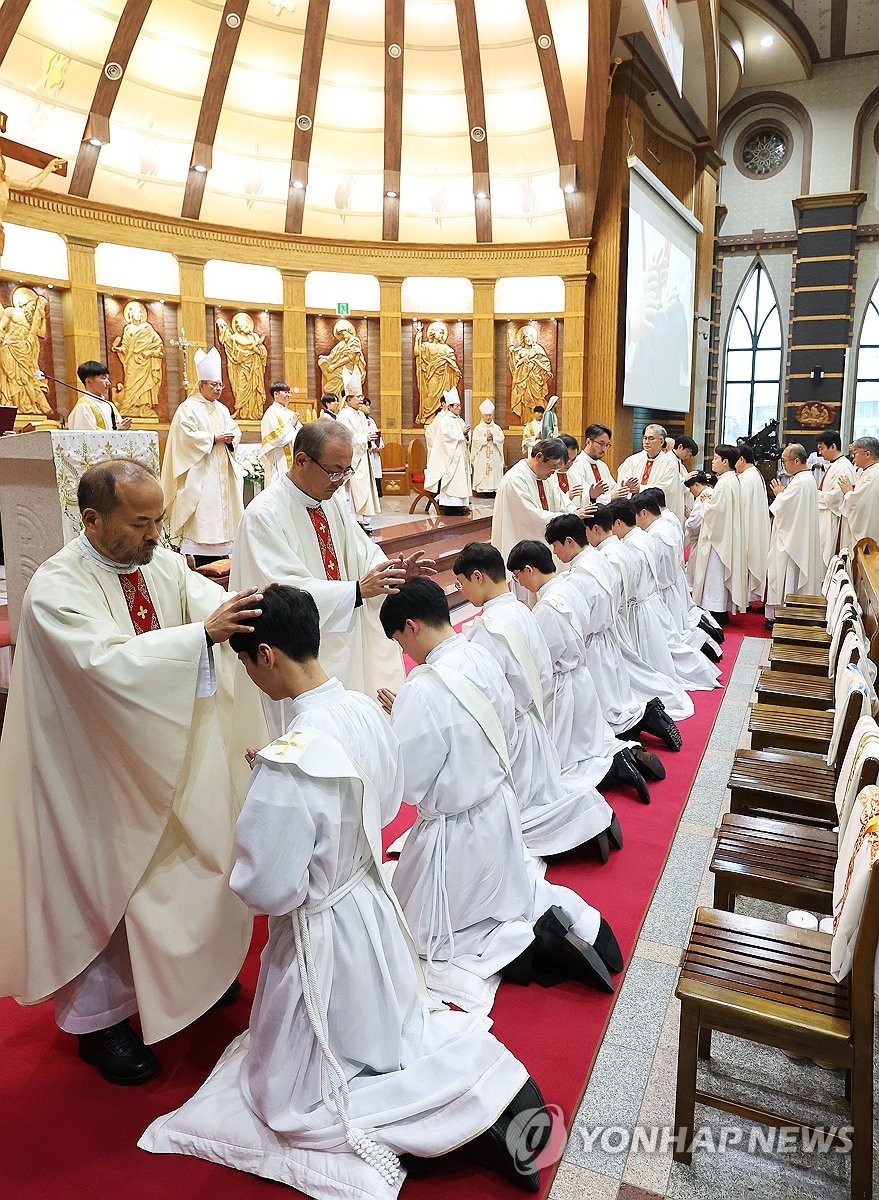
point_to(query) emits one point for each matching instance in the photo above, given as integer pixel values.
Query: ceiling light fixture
(480, 196)
(95, 141)
(394, 50)
(544, 41)
(767, 41)
(200, 167)
(569, 188)
(298, 184)
(391, 195)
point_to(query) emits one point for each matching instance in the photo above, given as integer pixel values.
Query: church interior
(537, 218)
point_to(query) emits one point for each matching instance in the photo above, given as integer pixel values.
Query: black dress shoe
(231, 994)
(657, 722)
(614, 833)
(769, 624)
(626, 772)
(649, 764)
(520, 970)
(722, 618)
(119, 1054)
(713, 631)
(556, 948)
(493, 1149)
(607, 948)
(538, 1130)
(602, 848)
(709, 649)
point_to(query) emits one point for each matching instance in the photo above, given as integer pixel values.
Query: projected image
(659, 322)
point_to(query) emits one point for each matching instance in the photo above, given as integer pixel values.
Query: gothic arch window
(867, 374)
(753, 361)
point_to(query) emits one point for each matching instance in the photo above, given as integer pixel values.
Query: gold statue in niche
(436, 368)
(530, 368)
(246, 356)
(21, 327)
(345, 356)
(141, 353)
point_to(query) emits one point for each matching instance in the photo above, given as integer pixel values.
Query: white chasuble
(364, 494)
(448, 463)
(520, 511)
(124, 790)
(586, 472)
(663, 471)
(720, 552)
(755, 528)
(794, 563)
(861, 509)
(277, 543)
(487, 456)
(278, 430)
(342, 1038)
(830, 505)
(93, 413)
(202, 481)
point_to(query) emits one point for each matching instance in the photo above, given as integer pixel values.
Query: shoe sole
(124, 1080)
(588, 966)
(649, 764)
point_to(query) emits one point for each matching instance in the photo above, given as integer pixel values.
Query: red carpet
(68, 1133)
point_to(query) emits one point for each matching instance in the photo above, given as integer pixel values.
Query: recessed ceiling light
(569, 188)
(391, 195)
(544, 41)
(480, 195)
(95, 141)
(767, 40)
(200, 167)
(394, 50)
(298, 184)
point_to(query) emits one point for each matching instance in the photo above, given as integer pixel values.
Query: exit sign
(343, 310)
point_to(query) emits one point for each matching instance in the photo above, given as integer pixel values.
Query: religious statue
(23, 185)
(530, 368)
(345, 357)
(141, 352)
(21, 328)
(436, 368)
(246, 362)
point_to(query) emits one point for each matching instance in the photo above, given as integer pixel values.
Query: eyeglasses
(334, 476)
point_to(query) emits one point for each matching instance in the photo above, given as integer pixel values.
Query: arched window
(867, 377)
(753, 358)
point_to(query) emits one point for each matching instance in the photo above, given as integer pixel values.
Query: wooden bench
(800, 635)
(783, 785)
(777, 861)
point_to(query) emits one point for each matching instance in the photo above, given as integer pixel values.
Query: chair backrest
(853, 700)
(393, 457)
(859, 768)
(417, 456)
(841, 593)
(847, 621)
(856, 911)
(839, 562)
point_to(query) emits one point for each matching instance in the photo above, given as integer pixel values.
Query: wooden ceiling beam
(394, 36)
(309, 78)
(222, 58)
(603, 21)
(838, 27)
(11, 13)
(97, 127)
(468, 37)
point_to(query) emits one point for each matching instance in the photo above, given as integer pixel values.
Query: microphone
(69, 386)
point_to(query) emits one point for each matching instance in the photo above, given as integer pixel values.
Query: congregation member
(202, 481)
(754, 504)
(95, 411)
(361, 490)
(831, 496)
(278, 430)
(589, 469)
(720, 573)
(329, 406)
(347, 1072)
(376, 444)
(626, 687)
(122, 756)
(574, 715)
(487, 452)
(472, 895)
(685, 450)
(447, 473)
(303, 533)
(558, 811)
(531, 434)
(654, 466)
(860, 511)
(794, 562)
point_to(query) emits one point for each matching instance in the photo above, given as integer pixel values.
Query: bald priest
(123, 770)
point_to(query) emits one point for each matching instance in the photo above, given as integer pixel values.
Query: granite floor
(633, 1084)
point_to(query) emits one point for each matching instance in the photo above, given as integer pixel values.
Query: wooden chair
(771, 984)
(395, 474)
(417, 463)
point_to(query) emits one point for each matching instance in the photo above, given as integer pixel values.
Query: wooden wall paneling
(173, 378)
(314, 389)
(572, 418)
(82, 336)
(502, 413)
(407, 376)
(603, 21)
(276, 369)
(483, 342)
(294, 333)
(392, 359)
(191, 316)
(704, 207)
(309, 78)
(468, 36)
(372, 386)
(394, 35)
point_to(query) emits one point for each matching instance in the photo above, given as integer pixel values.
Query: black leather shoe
(602, 849)
(607, 948)
(625, 772)
(709, 649)
(529, 1099)
(649, 764)
(231, 994)
(515, 1163)
(520, 970)
(614, 833)
(722, 618)
(713, 631)
(657, 721)
(559, 949)
(119, 1054)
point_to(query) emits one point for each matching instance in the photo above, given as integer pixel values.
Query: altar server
(95, 411)
(754, 506)
(861, 509)
(346, 1066)
(302, 532)
(487, 452)
(720, 574)
(201, 478)
(278, 430)
(447, 472)
(654, 466)
(121, 759)
(361, 484)
(831, 496)
(794, 563)
(472, 895)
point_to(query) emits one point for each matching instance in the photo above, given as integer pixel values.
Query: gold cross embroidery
(141, 613)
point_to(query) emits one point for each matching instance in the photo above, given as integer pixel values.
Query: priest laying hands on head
(124, 761)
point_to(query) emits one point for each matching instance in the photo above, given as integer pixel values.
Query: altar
(39, 475)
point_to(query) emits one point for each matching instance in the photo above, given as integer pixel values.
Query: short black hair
(729, 454)
(419, 599)
(538, 408)
(655, 493)
(705, 477)
(622, 510)
(97, 487)
(644, 502)
(831, 437)
(329, 398)
(366, 400)
(596, 430)
(480, 556)
(90, 369)
(564, 526)
(279, 386)
(687, 442)
(531, 554)
(748, 453)
(602, 517)
(570, 441)
(552, 449)
(290, 623)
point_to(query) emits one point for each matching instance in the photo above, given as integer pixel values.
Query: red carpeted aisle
(67, 1133)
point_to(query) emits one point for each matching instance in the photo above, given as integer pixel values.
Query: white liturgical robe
(278, 430)
(364, 494)
(754, 509)
(794, 563)
(519, 513)
(830, 504)
(861, 509)
(202, 482)
(277, 542)
(93, 413)
(448, 463)
(487, 456)
(340, 969)
(121, 790)
(586, 472)
(664, 472)
(720, 574)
